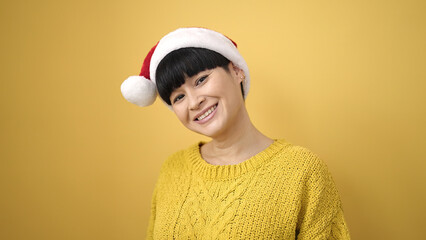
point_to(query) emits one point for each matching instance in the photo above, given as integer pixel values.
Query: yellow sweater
(283, 192)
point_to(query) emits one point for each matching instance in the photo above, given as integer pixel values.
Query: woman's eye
(178, 97)
(201, 80)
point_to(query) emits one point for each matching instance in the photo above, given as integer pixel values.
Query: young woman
(241, 184)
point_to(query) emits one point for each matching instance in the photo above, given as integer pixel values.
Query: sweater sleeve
(321, 213)
(167, 165)
(150, 230)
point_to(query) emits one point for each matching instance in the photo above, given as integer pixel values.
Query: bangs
(185, 62)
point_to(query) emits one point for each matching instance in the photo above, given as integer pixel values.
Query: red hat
(142, 91)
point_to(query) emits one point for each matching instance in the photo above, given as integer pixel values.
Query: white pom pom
(139, 90)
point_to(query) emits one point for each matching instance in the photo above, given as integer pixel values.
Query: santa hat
(142, 91)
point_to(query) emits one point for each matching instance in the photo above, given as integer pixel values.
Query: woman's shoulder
(301, 158)
(304, 167)
(177, 160)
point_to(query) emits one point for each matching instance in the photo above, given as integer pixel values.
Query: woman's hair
(185, 62)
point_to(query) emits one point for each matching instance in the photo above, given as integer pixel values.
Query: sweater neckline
(209, 171)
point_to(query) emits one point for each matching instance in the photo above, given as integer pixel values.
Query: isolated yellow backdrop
(344, 78)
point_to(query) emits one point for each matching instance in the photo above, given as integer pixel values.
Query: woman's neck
(236, 145)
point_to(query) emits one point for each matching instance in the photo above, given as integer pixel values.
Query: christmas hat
(142, 91)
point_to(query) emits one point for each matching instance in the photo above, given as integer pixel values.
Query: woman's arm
(321, 214)
(150, 230)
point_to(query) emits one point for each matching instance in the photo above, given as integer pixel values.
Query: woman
(241, 184)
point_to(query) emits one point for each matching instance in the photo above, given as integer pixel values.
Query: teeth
(207, 113)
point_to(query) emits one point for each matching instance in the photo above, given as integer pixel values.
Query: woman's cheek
(181, 114)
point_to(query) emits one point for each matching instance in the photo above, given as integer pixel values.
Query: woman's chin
(211, 131)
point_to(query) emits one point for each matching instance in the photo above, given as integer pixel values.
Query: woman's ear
(237, 72)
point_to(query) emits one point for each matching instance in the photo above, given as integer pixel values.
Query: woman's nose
(195, 102)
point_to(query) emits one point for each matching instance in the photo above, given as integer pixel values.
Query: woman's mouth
(207, 114)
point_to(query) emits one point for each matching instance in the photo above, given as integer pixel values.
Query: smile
(207, 113)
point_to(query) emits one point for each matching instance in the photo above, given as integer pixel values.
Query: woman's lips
(206, 115)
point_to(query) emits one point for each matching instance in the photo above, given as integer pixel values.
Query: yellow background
(345, 79)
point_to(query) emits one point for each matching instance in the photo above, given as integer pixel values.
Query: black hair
(185, 62)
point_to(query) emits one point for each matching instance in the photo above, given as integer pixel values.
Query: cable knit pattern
(283, 192)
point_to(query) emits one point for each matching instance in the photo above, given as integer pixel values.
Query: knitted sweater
(283, 192)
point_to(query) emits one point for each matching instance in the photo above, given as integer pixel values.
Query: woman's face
(210, 102)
